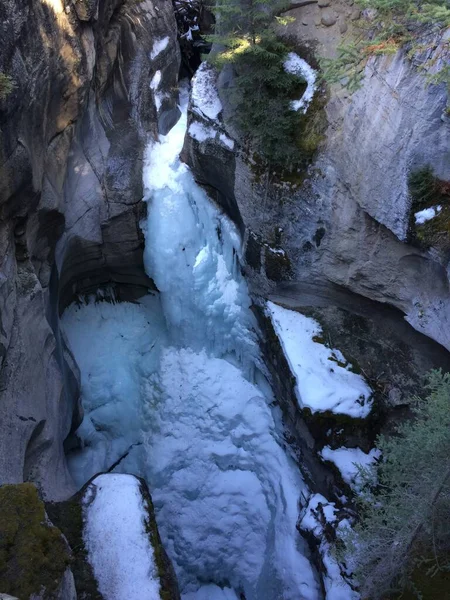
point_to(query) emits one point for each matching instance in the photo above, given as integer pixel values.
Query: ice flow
(169, 395)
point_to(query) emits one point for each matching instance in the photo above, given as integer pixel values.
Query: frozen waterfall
(173, 392)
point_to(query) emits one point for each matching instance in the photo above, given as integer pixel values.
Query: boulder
(328, 17)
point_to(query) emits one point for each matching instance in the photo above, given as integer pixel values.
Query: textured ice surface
(112, 344)
(324, 381)
(192, 253)
(225, 491)
(117, 543)
(173, 380)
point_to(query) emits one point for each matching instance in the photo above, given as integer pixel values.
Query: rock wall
(73, 129)
(345, 225)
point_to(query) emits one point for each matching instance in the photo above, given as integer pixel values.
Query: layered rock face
(73, 133)
(345, 225)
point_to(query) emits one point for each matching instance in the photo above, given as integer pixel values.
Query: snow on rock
(155, 81)
(228, 142)
(116, 540)
(158, 47)
(201, 132)
(154, 85)
(316, 514)
(347, 460)
(427, 214)
(205, 99)
(323, 376)
(298, 66)
(317, 504)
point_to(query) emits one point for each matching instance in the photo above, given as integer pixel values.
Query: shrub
(6, 85)
(404, 517)
(396, 23)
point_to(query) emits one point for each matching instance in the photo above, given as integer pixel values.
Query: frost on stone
(315, 516)
(116, 539)
(298, 66)
(158, 47)
(324, 381)
(348, 461)
(205, 98)
(427, 214)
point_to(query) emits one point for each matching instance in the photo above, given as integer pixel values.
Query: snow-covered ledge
(324, 378)
(206, 108)
(119, 535)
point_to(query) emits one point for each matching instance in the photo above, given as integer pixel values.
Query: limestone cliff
(344, 226)
(73, 130)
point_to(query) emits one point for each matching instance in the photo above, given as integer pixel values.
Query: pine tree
(262, 90)
(405, 516)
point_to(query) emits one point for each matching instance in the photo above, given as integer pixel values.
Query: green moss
(33, 554)
(166, 573)
(68, 516)
(6, 85)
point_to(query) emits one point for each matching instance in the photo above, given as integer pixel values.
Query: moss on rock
(68, 516)
(167, 578)
(33, 553)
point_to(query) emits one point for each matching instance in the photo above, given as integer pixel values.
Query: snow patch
(158, 47)
(188, 35)
(228, 142)
(155, 81)
(117, 543)
(323, 377)
(154, 84)
(201, 132)
(297, 66)
(427, 214)
(347, 460)
(205, 98)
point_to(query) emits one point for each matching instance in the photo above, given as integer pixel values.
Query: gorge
(171, 313)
